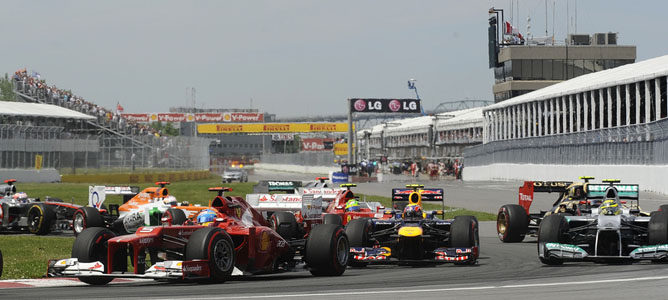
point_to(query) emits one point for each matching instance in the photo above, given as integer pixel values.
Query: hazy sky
(292, 58)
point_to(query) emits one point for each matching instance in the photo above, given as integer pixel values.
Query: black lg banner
(385, 105)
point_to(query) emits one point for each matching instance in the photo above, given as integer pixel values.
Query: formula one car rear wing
(526, 191)
(416, 194)
(97, 194)
(9, 188)
(268, 186)
(310, 206)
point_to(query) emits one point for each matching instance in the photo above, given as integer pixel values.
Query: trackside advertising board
(385, 105)
(272, 128)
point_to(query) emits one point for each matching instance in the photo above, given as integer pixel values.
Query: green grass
(450, 212)
(26, 256)
(194, 191)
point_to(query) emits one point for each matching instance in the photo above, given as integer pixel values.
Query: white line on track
(381, 292)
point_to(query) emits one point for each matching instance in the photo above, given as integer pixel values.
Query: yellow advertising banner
(38, 161)
(341, 149)
(272, 128)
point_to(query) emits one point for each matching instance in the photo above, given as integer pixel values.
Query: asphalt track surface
(504, 271)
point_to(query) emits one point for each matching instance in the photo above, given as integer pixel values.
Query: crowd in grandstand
(34, 86)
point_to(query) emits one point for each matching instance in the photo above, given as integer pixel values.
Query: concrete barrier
(118, 178)
(297, 169)
(30, 175)
(650, 178)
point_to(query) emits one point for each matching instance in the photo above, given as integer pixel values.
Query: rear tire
(90, 246)
(285, 224)
(40, 219)
(86, 217)
(217, 242)
(464, 234)
(178, 216)
(658, 228)
(552, 229)
(358, 231)
(332, 219)
(327, 250)
(512, 223)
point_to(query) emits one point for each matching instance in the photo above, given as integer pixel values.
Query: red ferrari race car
(229, 234)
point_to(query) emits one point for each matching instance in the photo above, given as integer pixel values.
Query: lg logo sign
(385, 105)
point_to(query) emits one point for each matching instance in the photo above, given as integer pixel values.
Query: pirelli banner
(272, 128)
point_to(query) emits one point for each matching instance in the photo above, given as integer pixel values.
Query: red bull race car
(413, 235)
(229, 234)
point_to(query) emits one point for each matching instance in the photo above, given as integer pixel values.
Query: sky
(288, 57)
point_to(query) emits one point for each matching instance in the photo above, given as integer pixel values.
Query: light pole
(411, 86)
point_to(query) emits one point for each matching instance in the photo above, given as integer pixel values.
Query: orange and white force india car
(237, 236)
(138, 209)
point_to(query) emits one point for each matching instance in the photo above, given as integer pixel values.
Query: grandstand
(441, 136)
(610, 123)
(70, 132)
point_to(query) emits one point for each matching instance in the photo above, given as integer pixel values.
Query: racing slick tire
(90, 246)
(464, 234)
(512, 223)
(40, 218)
(285, 224)
(552, 230)
(178, 216)
(657, 228)
(357, 231)
(332, 219)
(663, 207)
(327, 250)
(214, 241)
(86, 217)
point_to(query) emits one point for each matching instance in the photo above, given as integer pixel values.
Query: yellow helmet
(609, 207)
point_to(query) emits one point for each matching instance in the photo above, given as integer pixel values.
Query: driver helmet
(412, 212)
(609, 207)
(352, 205)
(20, 197)
(206, 216)
(169, 200)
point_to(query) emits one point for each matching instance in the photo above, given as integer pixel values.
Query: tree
(166, 128)
(6, 89)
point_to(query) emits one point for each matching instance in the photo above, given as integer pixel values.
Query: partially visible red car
(235, 235)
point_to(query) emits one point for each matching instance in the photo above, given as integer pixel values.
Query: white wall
(297, 169)
(30, 175)
(650, 178)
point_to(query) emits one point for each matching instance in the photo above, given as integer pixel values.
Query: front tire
(332, 219)
(177, 216)
(217, 243)
(658, 228)
(464, 234)
(285, 224)
(90, 246)
(327, 250)
(553, 229)
(512, 223)
(86, 217)
(40, 219)
(358, 231)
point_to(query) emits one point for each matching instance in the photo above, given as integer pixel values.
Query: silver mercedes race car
(612, 231)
